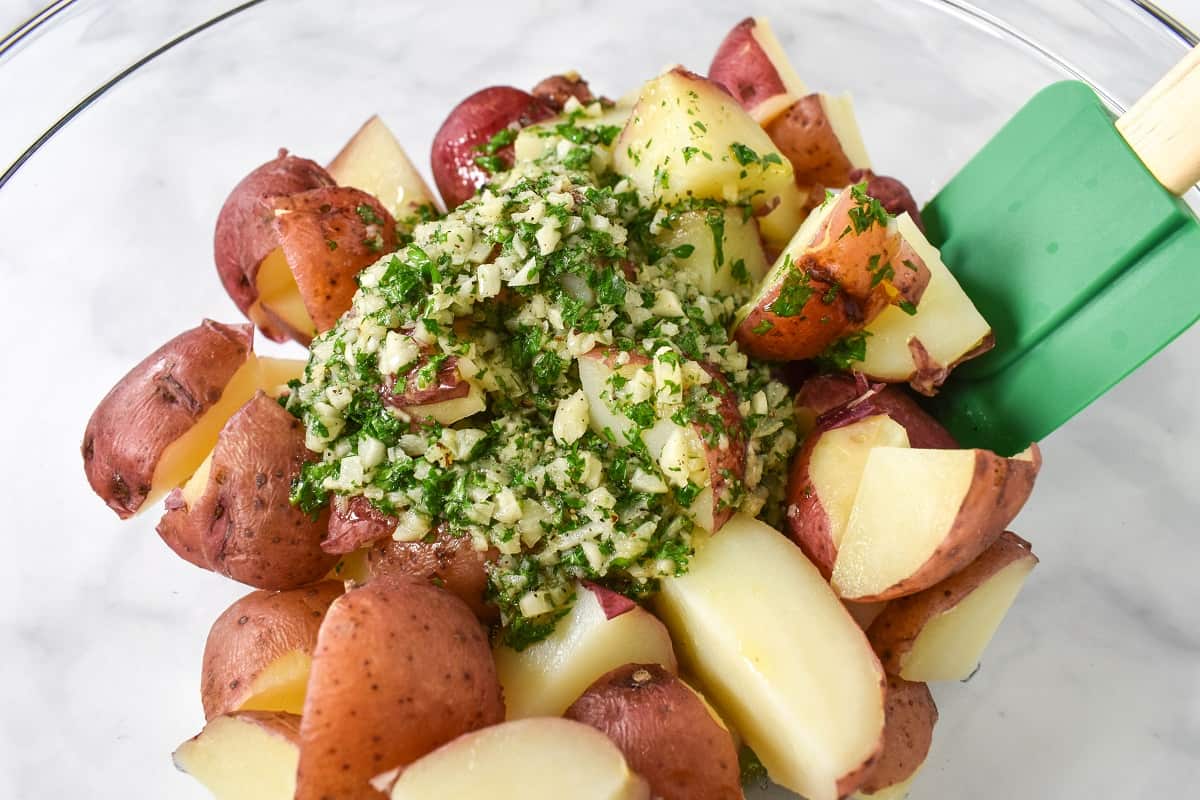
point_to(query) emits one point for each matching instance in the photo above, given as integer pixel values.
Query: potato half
(665, 730)
(250, 755)
(259, 651)
(400, 668)
(824, 394)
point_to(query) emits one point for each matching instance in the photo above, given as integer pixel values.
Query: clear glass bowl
(1092, 687)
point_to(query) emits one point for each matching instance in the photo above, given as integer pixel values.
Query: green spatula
(1068, 233)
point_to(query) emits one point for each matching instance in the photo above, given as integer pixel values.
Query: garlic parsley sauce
(493, 306)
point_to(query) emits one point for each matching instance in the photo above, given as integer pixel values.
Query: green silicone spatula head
(1068, 233)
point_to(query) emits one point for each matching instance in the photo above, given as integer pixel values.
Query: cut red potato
(727, 156)
(891, 192)
(940, 634)
(808, 699)
(448, 561)
(250, 755)
(237, 510)
(536, 140)
(752, 66)
(556, 90)
(921, 515)
(829, 394)
(450, 397)
(400, 668)
(819, 134)
(739, 262)
(374, 162)
(665, 731)
(910, 715)
(838, 273)
(547, 676)
(259, 651)
(609, 385)
(469, 128)
(922, 348)
(824, 482)
(531, 759)
(244, 236)
(157, 425)
(865, 613)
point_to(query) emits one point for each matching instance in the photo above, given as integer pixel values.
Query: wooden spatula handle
(1163, 128)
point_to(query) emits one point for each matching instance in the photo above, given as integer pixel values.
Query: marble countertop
(1091, 689)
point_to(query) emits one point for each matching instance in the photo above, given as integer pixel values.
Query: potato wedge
(250, 755)
(400, 668)
(244, 237)
(374, 162)
(808, 697)
(824, 394)
(922, 348)
(922, 515)
(243, 518)
(819, 134)
(157, 425)
(547, 676)
(468, 128)
(724, 249)
(940, 634)
(731, 158)
(824, 480)
(259, 651)
(665, 731)
(910, 715)
(751, 65)
(530, 759)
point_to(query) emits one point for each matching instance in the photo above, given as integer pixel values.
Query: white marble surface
(1092, 688)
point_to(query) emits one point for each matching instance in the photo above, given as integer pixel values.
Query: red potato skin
(743, 69)
(891, 192)
(449, 385)
(156, 402)
(180, 532)
(806, 335)
(400, 668)
(807, 522)
(909, 718)
(253, 632)
(806, 138)
(665, 732)
(556, 90)
(448, 561)
(821, 394)
(327, 242)
(245, 522)
(355, 522)
(725, 464)
(470, 125)
(894, 631)
(244, 236)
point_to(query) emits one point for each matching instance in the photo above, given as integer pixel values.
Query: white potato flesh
(185, 455)
(946, 323)
(713, 271)
(531, 759)
(534, 141)
(374, 162)
(839, 110)
(836, 465)
(549, 675)
(278, 292)
(595, 376)
(282, 684)
(244, 757)
(447, 412)
(950, 645)
(775, 650)
(684, 138)
(906, 506)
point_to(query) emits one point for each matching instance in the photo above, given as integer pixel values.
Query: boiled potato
(910, 715)
(752, 66)
(921, 515)
(529, 759)
(665, 730)
(687, 138)
(374, 162)
(249, 755)
(259, 651)
(244, 236)
(154, 429)
(547, 676)
(892, 193)
(825, 394)
(400, 668)
(470, 126)
(819, 134)
(946, 329)
(556, 90)
(940, 634)
(724, 249)
(824, 481)
(770, 644)
(241, 515)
